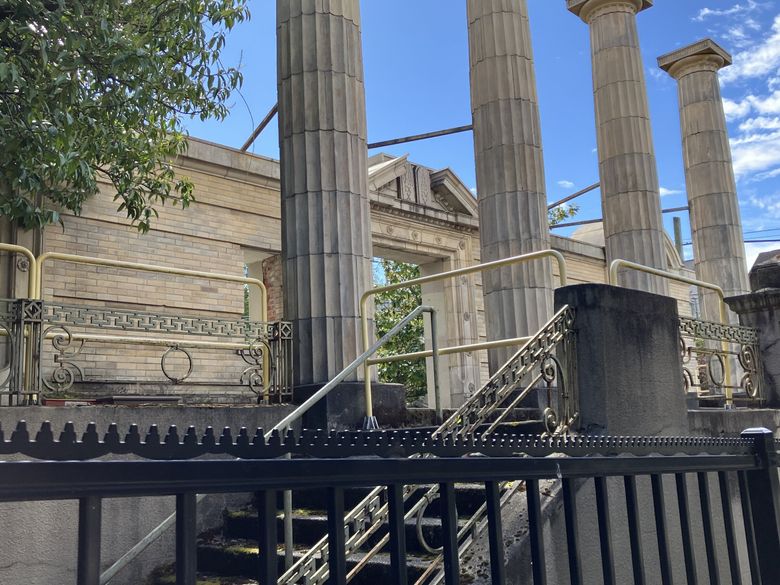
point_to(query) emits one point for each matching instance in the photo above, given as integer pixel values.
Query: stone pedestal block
(326, 231)
(633, 227)
(510, 170)
(716, 226)
(344, 408)
(761, 310)
(628, 360)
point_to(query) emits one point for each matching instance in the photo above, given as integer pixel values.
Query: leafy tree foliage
(558, 214)
(101, 87)
(391, 307)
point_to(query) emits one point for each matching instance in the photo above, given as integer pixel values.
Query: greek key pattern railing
(263, 350)
(140, 321)
(543, 361)
(719, 357)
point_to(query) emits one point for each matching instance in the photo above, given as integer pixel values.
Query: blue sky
(416, 67)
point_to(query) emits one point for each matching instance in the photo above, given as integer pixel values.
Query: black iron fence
(749, 463)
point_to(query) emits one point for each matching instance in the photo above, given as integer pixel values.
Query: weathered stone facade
(236, 221)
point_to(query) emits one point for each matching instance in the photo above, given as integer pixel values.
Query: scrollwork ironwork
(706, 348)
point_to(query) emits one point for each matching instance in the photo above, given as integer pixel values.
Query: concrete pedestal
(762, 310)
(628, 360)
(344, 408)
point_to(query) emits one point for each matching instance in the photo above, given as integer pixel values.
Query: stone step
(469, 497)
(239, 558)
(309, 528)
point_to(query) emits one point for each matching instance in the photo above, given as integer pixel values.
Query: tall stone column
(716, 226)
(633, 228)
(510, 169)
(326, 234)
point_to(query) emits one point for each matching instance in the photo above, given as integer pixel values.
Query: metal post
(90, 513)
(764, 488)
(186, 538)
(678, 239)
(288, 528)
(436, 379)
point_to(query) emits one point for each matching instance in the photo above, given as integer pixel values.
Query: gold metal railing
(35, 277)
(32, 270)
(723, 308)
(478, 268)
(87, 260)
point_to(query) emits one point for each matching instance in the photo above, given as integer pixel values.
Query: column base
(344, 408)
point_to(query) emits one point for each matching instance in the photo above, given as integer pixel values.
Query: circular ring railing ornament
(168, 352)
(710, 370)
(429, 499)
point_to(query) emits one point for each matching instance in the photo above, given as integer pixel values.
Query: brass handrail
(723, 308)
(91, 261)
(32, 272)
(562, 274)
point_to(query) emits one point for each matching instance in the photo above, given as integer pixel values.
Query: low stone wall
(38, 539)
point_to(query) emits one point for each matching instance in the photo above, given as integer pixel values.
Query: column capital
(587, 9)
(704, 55)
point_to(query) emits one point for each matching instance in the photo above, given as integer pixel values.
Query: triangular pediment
(452, 193)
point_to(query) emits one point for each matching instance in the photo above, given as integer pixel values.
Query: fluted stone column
(326, 234)
(716, 226)
(510, 169)
(633, 228)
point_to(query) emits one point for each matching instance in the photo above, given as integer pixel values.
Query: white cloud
(760, 123)
(756, 154)
(753, 250)
(768, 205)
(738, 8)
(759, 60)
(565, 184)
(664, 191)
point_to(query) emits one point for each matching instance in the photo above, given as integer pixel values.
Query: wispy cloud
(566, 184)
(739, 8)
(760, 60)
(665, 192)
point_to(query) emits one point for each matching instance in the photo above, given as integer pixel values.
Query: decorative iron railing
(545, 360)
(50, 347)
(719, 358)
(746, 494)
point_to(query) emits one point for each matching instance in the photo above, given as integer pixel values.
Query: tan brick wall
(272, 278)
(236, 209)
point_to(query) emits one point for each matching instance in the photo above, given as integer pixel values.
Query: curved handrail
(296, 415)
(91, 261)
(523, 258)
(33, 271)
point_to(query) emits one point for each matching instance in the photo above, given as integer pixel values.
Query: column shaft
(510, 169)
(326, 235)
(716, 226)
(633, 227)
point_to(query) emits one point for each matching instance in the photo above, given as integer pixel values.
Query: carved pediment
(452, 194)
(396, 179)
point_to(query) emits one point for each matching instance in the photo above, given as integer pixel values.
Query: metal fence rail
(752, 459)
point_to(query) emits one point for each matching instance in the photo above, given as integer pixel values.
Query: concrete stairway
(229, 555)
